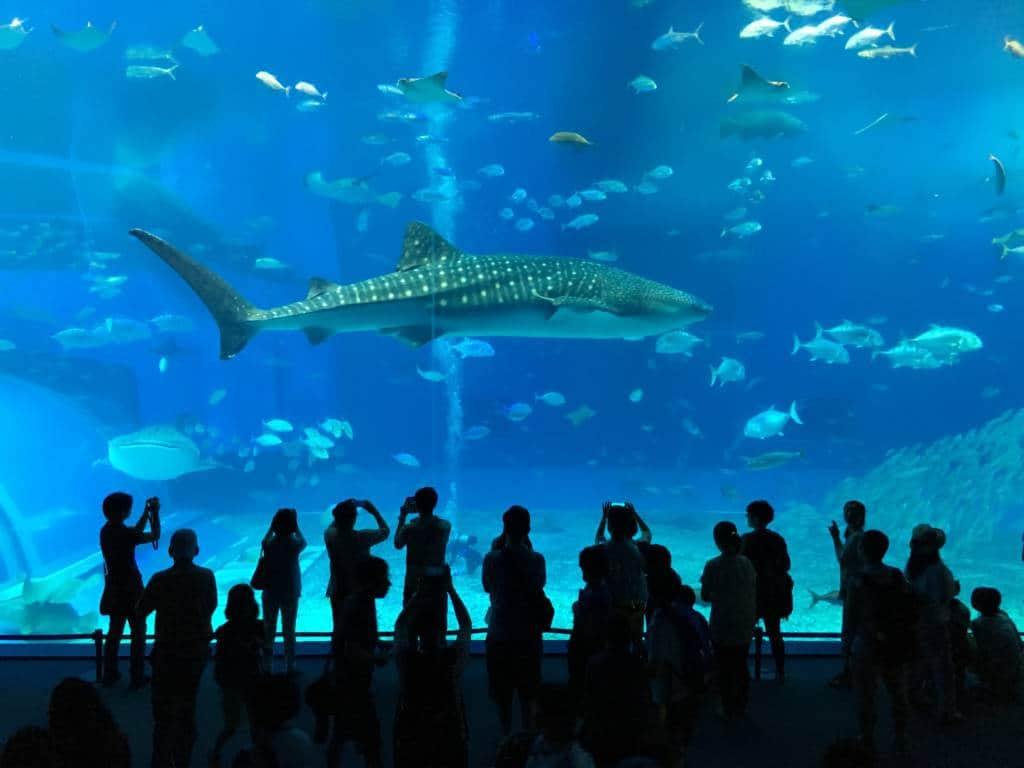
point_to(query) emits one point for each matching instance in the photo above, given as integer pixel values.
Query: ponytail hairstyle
(727, 538)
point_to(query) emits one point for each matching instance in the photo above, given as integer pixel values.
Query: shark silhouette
(438, 290)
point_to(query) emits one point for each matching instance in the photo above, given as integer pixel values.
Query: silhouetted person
(358, 654)
(430, 720)
(237, 662)
(678, 659)
(347, 547)
(123, 583)
(277, 742)
(883, 623)
(767, 551)
(685, 605)
(627, 575)
(82, 729)
(933, 582)
(184, 598)
(998, 660)
(960, 644)
(514, 577)
(847, 551)
(590, 615)
(616, 699)
(28, 747)
(729, 584)
(556, 745)
(425, 539)
(282, 546)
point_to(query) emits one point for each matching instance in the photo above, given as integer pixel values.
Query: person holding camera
(347, 547)
(425, 539)
(514, 577)
(627, 568)
(282, 546)
(123, 585)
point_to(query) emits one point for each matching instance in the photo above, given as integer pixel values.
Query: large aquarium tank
(541, 253)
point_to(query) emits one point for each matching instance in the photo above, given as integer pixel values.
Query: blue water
(214, 161)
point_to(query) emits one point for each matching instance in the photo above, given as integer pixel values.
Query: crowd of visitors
(641, 658)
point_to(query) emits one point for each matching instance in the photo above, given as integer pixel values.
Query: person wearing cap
(935, 587)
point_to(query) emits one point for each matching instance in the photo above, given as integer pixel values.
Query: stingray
(753, 84)
(156, 453)
(428, 90)
(86, 39)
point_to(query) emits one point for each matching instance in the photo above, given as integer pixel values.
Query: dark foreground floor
(789, 726)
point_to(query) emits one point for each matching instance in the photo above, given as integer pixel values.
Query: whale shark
(437, 290)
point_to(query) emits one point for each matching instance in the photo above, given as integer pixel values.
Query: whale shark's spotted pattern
(437, 290)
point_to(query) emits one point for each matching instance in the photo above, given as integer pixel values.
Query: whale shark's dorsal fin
(422, 245)
(318, 285)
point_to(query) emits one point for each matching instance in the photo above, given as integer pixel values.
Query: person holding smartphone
(425, 539)
(347, 547)
(123, 583)
(627, 571)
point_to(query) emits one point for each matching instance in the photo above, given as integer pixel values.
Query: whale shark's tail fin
(231, 312)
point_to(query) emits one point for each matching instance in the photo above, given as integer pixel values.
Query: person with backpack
(678, 661)
(514, 577)
(883, 625)
(767, 551)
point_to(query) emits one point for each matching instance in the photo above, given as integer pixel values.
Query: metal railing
(97, 637)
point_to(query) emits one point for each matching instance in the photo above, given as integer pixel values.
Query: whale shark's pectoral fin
(317, 335)
(414, 335)
(577, 304)
(318, 285)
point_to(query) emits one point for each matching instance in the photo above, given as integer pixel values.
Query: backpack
(895, 610)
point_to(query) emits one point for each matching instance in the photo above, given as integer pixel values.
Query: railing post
(758, 640)
(97, 639)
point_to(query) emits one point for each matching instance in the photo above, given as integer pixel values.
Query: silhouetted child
(237, 662)
(729, 583)
(882, 621)
(677, 663)
(358, 654)
(430, 718)
(590, 615)
(767, 551)
(997, 658)
(617, 698)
